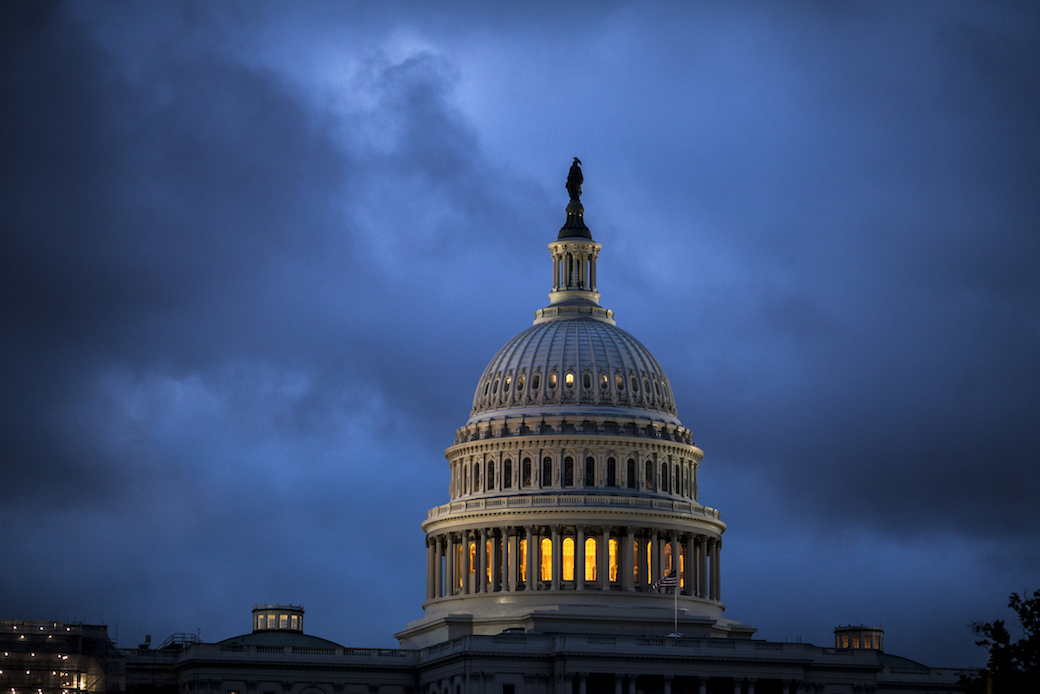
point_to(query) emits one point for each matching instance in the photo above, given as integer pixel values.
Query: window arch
(536, 380)
(611, 472)
(547, 472)
(665, 478)
(476, 477)
(490, 476)
(545, 566)
(590, 559)
(567, 552)
(590, 472)
(526, 472)
(631, 481)
(568, 472)
(507, 474)
(586, 380)
(649, 474)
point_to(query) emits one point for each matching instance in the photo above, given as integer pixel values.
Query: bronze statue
(574, 180)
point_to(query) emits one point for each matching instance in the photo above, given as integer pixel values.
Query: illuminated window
(507, 474)
(611, 472)
(519, 383)
(844, 640)
(569, 380)
(649, 561)
(855, 640)
(667, 558)
(590, 559)
(682, 566)
(603, 381)
(271, 621)
(552, 380)
(612, 558)
(505, 384)
(590, 472)
(294, 622)
(487, 553)
(491, 474)
(631, 481)
(473, 557)
(523, 560)
(619, 380)
(568, 558)
(545, 574)
(458, 566)
(547, 472)
(283, 621)
(568, 472)
(635, 564)
(526, 471)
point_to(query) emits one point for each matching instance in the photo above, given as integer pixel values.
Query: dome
(579, 363)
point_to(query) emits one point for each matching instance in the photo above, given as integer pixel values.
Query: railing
(577, 500)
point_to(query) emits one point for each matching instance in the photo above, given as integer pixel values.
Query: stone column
(508, 566)
(702, 566)
(691, 563)
(787, 686)
(716, 570)
(429, 568)
(480, 580)
(617, 683)
(629, 564)
(632, 683)
(465, 562)
(579, 559)
(438, 568)
(495, 561)
(532, 580)
(449, 566)
(667, 684)
(583, 683)
(702, 685)
(750, 685)
(557, 558)
(604, 558)
(737, 685)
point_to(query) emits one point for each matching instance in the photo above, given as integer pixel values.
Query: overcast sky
(255, 256)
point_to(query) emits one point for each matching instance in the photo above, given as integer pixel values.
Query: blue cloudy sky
(254, 257)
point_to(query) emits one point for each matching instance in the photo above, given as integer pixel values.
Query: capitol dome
(573, 492)
(566, 365)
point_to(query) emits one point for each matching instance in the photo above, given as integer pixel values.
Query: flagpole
(675, 613)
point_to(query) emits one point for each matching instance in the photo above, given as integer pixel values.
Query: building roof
(277, 637)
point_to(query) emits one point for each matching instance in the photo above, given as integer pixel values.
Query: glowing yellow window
(283, 621)
(667, 559)
(568, 558)
(612, 557)
(523, 560)
(487, 553)
(635, 564)
(682, 567)
(546, 565)
(569, 380)
(590, 559)
(855, 641)
(473, 557)
(649, 562)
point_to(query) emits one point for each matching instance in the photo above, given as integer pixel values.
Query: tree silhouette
(1014, 666)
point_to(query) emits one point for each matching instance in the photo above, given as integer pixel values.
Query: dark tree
(1014, 666)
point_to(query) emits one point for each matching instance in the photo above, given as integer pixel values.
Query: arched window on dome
(590, 559)
(507, 474)
(476, 477)
(649, 475)
(611, 472)
(568, 472)
(631, 479)
(635, 384)
(545, 565)
(547, 472)
(526, 472)
(567, 555)
(520, 383)
(619, 380)
(590, 472)
(465, 479)
(552, 380)
(586, 380)
(490, 477)
(568, 380)
(665, 478)
(604, 382)
(536, 380)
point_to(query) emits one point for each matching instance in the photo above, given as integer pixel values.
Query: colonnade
(505, 559)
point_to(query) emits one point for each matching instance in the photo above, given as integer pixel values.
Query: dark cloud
(253, 261)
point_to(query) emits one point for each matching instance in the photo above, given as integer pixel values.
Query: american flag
(669, 581)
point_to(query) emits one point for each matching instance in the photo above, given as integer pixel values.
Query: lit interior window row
(586, 385)
(478, 476)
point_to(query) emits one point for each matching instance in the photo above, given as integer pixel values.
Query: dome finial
(575, 224)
